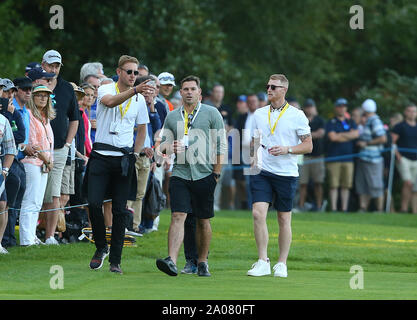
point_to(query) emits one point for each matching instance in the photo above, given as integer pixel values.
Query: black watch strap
(216, 175)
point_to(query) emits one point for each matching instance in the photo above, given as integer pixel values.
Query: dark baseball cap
(22, 82)
(39, 73)
(32, 65)
(341, 102)
(309, 103)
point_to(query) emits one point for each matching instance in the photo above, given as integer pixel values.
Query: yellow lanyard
(186, 120)
(276, 122)
(123, 112)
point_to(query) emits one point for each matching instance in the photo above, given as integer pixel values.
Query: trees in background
(238, 43)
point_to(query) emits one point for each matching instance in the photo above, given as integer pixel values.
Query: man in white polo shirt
(110, 172)
(277, 130)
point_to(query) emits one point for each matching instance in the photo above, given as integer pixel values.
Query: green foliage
(237, 43)
(392, 93)
(18, 40)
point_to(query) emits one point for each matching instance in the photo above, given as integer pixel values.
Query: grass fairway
(325, 246)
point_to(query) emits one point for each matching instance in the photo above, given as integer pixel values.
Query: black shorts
(196, 197)
(265, 185)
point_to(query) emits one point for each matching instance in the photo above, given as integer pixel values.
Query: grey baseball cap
(7, 84)
(52, 56)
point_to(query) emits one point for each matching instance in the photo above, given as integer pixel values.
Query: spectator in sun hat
(38, 166)
(30, 66)
(369, 169)
(340, 133)
(64, 127)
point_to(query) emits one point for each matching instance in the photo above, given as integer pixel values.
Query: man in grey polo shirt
(195, 133)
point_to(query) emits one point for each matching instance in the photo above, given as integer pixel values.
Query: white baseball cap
(369, 105)
(52, 56)
(166, 78)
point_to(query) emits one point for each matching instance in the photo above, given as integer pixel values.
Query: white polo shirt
(292, 124)
(136, 114)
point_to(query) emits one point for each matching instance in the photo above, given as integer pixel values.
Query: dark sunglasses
(273, 87)
(129, 72)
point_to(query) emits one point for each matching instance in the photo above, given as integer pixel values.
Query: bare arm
(318, 133)
(111, 101)
(72, 131)
(140, 138)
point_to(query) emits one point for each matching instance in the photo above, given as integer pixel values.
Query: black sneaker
(115, 268)
(189, 268)
(98, 258)
(168, 266)
(203, 270)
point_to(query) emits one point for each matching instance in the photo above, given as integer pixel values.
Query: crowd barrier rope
(325, 159)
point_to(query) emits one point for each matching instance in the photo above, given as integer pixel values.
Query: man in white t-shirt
(110, 172)
(277, 130)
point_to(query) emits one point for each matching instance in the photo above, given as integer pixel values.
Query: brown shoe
(115, 268)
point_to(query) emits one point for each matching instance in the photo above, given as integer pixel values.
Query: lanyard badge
(272, 129)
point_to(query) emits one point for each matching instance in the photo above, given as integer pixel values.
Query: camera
(4, 103)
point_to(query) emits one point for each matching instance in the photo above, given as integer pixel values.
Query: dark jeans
(190, 245)
(105, 179)
(15, 189)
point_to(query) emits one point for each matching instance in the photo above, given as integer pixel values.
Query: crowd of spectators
(48, 127)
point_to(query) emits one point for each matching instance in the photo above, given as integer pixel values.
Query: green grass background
(325, 246)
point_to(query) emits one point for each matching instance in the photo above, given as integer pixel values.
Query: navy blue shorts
(193, 197)
(265, 186)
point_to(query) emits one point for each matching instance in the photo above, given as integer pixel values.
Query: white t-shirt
(292, 124)
(136, 114)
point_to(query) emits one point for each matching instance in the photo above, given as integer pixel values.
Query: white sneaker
(155, 224)
(280, 270)
(3, 250)
(38, 241)
(51, 240)
(260, 268)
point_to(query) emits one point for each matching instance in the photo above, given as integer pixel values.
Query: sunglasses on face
(273, 87)
(129, 72)
(42, 96)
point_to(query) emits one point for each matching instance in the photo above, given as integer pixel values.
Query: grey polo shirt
(206, 140)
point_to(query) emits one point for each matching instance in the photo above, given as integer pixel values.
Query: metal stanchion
(390, 178)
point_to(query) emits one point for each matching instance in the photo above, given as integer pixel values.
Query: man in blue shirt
(21, 98)
(341, 133)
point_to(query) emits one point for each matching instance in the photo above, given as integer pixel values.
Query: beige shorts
(53, 187)
(407, 169)
(314, 171)
(67, 184)
(340, 174)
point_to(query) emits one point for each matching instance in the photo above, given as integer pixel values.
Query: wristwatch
(5, 171)
(290, 150)
(216, 175)
(137, 155)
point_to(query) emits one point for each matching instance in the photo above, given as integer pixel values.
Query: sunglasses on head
(273, 87)
(129, 72)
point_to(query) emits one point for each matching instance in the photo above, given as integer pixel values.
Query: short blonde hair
(125, 59)
(281, 78)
